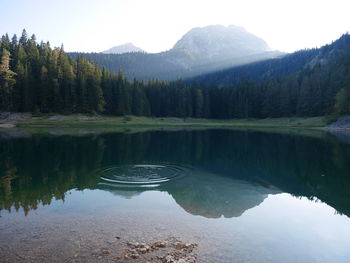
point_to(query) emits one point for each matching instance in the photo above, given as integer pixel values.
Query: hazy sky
(155, 25)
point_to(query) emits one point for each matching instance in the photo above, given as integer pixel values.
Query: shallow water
(242, 196)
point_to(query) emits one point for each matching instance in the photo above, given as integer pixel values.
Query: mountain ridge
(199, 51)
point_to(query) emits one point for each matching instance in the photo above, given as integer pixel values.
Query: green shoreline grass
(76, 121)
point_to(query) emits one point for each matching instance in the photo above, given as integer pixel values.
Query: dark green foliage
(342, 105)
(36, 78)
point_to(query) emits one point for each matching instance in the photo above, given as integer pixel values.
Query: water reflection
(203, 193)
(209, 173)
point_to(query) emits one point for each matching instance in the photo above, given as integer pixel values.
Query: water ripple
(142, 174)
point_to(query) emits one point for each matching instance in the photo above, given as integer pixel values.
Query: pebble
(160, 244)
(134, 255)
(142, 250)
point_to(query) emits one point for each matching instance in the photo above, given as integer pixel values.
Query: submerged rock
(170, 250)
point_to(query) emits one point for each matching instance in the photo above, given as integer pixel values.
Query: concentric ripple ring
(142, 174)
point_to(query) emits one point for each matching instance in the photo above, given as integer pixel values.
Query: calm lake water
(242, 196)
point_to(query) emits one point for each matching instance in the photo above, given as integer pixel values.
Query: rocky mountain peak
(218, 40)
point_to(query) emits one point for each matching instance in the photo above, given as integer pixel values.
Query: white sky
(155, 25)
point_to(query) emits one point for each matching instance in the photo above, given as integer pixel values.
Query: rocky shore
(9, 120)
(341, 123)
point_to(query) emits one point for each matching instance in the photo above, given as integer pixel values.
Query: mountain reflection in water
(205, 194)
(224, 172)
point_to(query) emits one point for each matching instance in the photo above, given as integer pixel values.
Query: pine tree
(24, 38)
(198, 103)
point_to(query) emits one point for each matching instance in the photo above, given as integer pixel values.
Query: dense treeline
(318, 91)
(34, 77)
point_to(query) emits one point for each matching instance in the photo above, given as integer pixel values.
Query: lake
(239, 196)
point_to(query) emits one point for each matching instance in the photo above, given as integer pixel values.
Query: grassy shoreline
(81, 121)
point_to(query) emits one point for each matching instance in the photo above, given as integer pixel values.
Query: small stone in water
(142, 250)
(132, 244)
(159, 244)
(135, 255)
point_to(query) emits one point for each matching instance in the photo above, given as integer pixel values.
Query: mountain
(200, 51)
(221, 42)
(121, 49)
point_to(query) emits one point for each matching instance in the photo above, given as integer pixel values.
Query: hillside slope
(276, 67)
